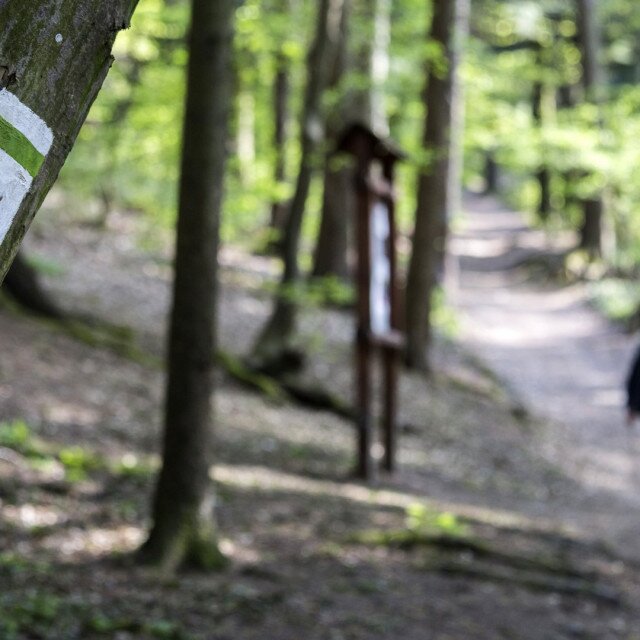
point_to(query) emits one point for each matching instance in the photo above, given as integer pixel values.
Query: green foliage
(103, 625)
(423, 519)
(78, 462)
(29, 615)
(618, 299)
(443, 316)
(318, 292)
(17, 435)
(128, 151)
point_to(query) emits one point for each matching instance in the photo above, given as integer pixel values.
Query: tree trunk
(543, 175)
(54, 56)
(364, 51)
(589, 41)
(183, 520)
(434, 189)
(274, 340)
(330, 255)
(281, 91)
(491, 174)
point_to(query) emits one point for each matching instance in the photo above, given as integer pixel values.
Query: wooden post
(364, 469)
(391, 353)
(378, 324)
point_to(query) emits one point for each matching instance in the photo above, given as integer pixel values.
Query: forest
(316, 319)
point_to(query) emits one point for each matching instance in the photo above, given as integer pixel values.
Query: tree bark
(434, 189)
(54, 56)
(281, 91)
(183, 520)
(363, 51)
(543, 175)
(589, 41)
(274, 340)
(330, 255)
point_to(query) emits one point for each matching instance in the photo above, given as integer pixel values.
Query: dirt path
(562, 359)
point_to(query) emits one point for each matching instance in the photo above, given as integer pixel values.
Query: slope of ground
(468, 540)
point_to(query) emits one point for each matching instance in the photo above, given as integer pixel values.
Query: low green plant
(30, 615)
(616, 298)
(17, 435)
(422, 519)
(79, 462)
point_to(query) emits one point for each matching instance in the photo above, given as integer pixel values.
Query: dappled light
(317, 320)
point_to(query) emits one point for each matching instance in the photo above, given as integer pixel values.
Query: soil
(511, 514)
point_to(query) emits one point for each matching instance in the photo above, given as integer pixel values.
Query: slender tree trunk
(433, 206)
(274, 340)
(589, 40)
(330, 255)
(491, 174)
(54, 56)
(364, 51)
(543, 175)
(183, 521)
(456, 160)
(281, 91)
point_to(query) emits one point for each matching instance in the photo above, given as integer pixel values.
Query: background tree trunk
(543, 175)
(363, 52)
(434, 189)
(330, 255)
(281, 91)
(183, 519)
(274, 340)
(50, 73)
(589, 41)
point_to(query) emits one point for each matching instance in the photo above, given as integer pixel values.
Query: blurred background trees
(553, 117)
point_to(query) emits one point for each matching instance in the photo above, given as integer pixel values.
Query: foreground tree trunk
(50, 72)
(273, 343)
(183, 520)
(434, 186)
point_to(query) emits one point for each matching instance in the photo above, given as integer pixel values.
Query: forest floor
(511, 515)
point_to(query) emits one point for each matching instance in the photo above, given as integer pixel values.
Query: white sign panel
(380, 289)
(25, 141)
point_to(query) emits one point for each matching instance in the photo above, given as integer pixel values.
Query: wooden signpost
(378, 323)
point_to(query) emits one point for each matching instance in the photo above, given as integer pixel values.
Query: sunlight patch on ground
(259, 478)
(614, 398)
(96, 541)
(71, 413)
(31, 516)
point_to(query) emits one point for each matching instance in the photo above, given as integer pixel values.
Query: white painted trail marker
(25, 141)
(380, 291)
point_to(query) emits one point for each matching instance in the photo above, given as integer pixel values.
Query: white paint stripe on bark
(15, 183)
(26, 122)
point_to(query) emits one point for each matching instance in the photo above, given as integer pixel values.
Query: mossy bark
(183, 520)
(54, 57)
